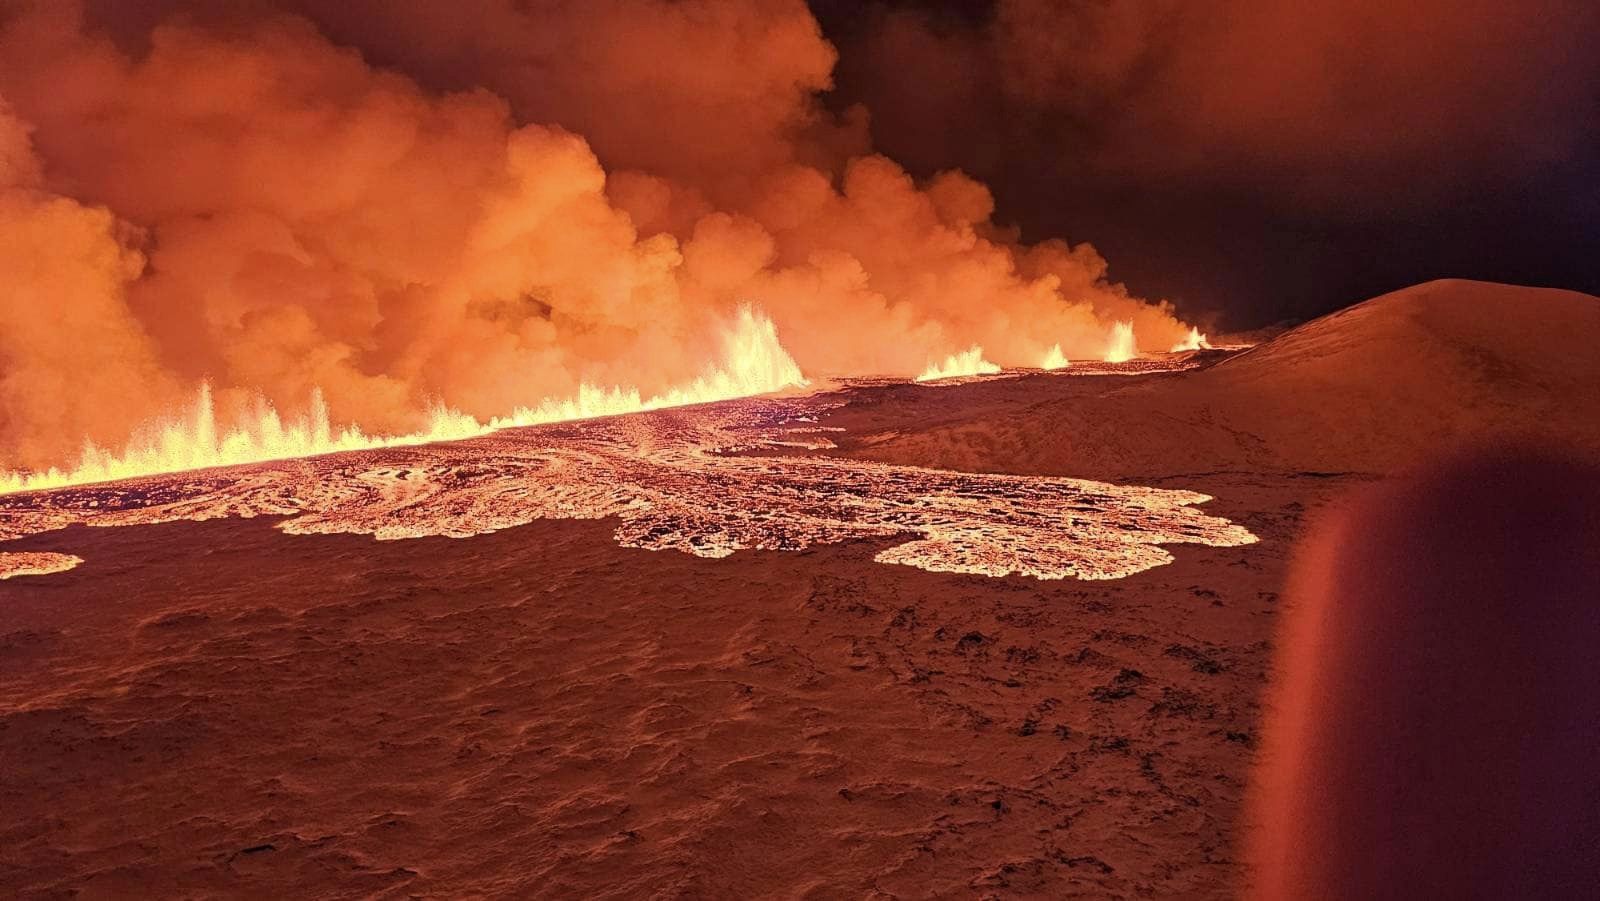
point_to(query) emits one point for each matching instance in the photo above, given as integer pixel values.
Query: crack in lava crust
(684, 479)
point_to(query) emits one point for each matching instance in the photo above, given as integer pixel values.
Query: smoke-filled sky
(486, 202)
(1265, 159)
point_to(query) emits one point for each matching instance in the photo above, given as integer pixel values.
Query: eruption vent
(1121, 349)
(752, 362)
(969, 362)
(1054, 359)
(1193, 341)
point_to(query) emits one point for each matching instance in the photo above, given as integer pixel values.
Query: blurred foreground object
(1435, 730)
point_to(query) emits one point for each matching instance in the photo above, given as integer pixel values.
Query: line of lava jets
(1121, 349)
(753, 362)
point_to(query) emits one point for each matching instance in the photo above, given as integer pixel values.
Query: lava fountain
(1192, 341)
(752, 361)
(1122, 347)
(969, 362)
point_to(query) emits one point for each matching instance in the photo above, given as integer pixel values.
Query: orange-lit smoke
(1345, 104)
(246, 200)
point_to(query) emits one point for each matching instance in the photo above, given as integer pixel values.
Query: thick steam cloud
(237, 193)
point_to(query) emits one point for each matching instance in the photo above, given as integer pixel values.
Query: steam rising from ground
(240, 199)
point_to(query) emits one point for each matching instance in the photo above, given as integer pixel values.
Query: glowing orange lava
(1193, 341)
(752, 362)
(35, 563)
(969, 362)
(1122, 347)
(681, 479)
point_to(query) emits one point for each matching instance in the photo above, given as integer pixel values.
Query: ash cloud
(483, 205)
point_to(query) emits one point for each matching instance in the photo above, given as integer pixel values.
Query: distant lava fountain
(969, 362)
(752, 362)
(1193, 341)
(191, 439)
(1122, 347)
(1054, 359)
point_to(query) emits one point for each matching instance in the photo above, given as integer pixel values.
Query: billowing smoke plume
(1345, 102)
(234, 192)
(1258, 158)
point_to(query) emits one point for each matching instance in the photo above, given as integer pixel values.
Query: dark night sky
(1246, 159)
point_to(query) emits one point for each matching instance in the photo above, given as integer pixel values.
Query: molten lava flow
(967, 363)
(35, 563)
(687, 480)
(1193, 341)
(753, 362)
(1054, 359)
(1121, 349)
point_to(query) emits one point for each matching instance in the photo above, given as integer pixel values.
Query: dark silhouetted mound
(1432, 728)
(1369, 389)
